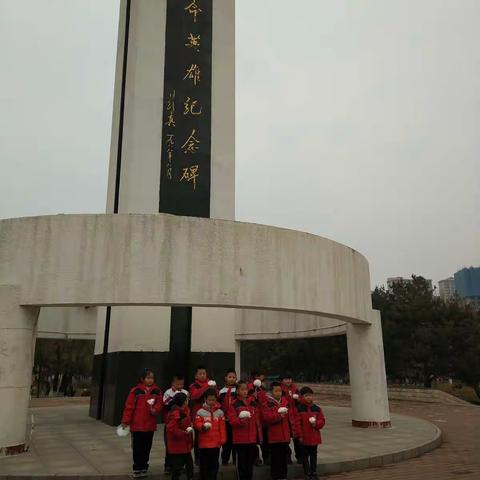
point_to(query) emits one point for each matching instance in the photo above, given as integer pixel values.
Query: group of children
(239, 419)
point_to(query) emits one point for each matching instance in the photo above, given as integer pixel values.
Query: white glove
(295, 396)
(151, 402)
(312, 420)
(283, 410)
(212, 383)
(257, 383)
(207, 425)
(189, 430)
(244, 414)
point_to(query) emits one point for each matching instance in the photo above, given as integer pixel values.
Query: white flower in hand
(212, 383)
(312, 420)
(295, 396)
(189, 430)
(257, 383)
(207, 425)
(151, 402)
(244, 414)
(282, 410)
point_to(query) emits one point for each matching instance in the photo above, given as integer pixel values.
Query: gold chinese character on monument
(190, 174)
(169, 173)
(170, 141)
(191, 107)
(171, 110)
(193, 42)
(193, 9)
(191, 145)
(193, 74)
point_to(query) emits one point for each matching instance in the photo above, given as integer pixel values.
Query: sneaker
(137, 474)
(143, 474)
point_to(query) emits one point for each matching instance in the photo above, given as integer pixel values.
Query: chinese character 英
(191, 107)
(190, 174)
(191, 145)
(193, 42)
(193, 73)
(193, 9)
(171, 110)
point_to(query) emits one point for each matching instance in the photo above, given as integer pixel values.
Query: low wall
(394, 393)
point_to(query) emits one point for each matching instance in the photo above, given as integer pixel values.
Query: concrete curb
(263, 473)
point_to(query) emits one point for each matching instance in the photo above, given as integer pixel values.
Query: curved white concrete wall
(169, 260)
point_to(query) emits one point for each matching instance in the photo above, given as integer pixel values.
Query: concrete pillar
(17, 343)
(367, 374)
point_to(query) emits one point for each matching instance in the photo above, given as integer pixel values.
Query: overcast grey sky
(356, 120)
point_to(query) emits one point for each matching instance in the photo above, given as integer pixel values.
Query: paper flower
(207, 425)
(283, 410)
(312, 420)
(295, 396)
(257, 383)
(212, 383)
(123, 432)
(244, 414)
(151, 401)
(189, 430)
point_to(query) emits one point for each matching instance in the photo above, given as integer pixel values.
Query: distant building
(394, 280)
(446, 288)
(467, 285)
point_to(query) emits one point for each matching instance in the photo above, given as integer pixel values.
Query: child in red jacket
(210, 427)
(179, 437)
(144, 403)
(226, 397)
(290, 392)
(257, 390)
(279, 418)
(243, 416)
(310, 421)
(197, 391)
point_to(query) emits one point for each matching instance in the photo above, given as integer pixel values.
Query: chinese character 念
(193, 42)
(191, 145)
(193, 9)
(190, 174)
(171, 110)
(193, 73)
(191, 107)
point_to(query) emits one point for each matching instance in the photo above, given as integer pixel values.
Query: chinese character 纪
(171, 110)
(191, 107)
(193, 42)
(193, 73)
(193, 9)
(191, 145)
(190, 174)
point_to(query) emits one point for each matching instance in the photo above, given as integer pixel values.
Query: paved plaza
(66, 442)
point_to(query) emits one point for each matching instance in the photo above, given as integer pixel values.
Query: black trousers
(209, 463)
(309, 460)
(141, 446)
(178, 461)
(246, 455)
(278, 460)
(228, 448)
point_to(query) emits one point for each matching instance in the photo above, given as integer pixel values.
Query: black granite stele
(122, 374)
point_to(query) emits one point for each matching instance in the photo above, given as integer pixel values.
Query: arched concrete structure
(74, 260)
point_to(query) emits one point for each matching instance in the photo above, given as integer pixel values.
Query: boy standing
(290, 392)
(210, 427)
(226, 398)
(257, 390)
(279, 418)
(310, 420)
(143, 405)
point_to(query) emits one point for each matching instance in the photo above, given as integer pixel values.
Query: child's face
(231, 379)
(201, 375)
(308, 397)
(242, 391)
(178, 384)
(287, 382)
(211, 400)
(149, 380)
(277, 392)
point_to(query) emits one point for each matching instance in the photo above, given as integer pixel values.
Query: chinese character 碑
(171, 110)
(193, 42)
(191, 107)
(193, 73)
(193, 9)
(190, 174)
(191, 145)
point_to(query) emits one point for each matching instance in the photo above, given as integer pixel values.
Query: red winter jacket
(178, 440)
(278, 426)
(259, 393)
(138, 414)
(226, 396)
(215, 436)
(289, 392)
(248, 430)
(308, 433)
(197, 391)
